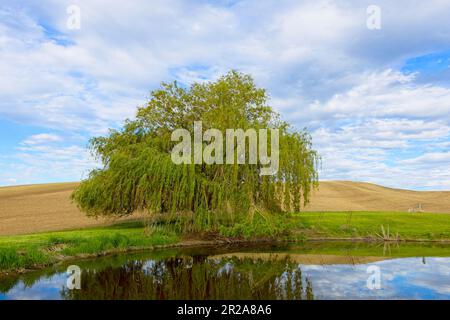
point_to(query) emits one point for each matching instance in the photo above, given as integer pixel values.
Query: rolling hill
(41, 207)
(361, 196)
(47, 207)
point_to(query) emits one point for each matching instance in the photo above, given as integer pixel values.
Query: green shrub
(262, 225)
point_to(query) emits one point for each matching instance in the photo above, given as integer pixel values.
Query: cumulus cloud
(322, 67)
(379, 130)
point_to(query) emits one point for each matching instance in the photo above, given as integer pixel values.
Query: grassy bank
(374, 225)
(37, 250)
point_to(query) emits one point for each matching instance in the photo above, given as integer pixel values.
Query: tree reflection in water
(197, 277)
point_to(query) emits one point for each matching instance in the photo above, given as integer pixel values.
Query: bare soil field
(39, 208)
(47, 207)
(360, 196)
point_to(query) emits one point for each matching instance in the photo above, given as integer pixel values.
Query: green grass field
(408, 226)
(37, 250)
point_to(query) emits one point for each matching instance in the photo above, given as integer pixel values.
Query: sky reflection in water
(401, 278)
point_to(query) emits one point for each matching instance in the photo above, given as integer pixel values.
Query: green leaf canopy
(138, 173)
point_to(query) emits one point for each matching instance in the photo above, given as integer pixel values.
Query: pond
(307, 271)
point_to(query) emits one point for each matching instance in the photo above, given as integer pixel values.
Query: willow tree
(138, 173)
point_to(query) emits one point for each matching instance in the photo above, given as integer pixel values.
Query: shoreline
(39, 250)
(192, 243)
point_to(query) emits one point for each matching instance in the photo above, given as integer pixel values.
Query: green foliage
(138, 173)
(262, 225)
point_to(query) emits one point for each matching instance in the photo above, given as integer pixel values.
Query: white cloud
(42, 138)
(46, 155)
(322, 67)
(389, 93)
(380, 129)
(431, 158)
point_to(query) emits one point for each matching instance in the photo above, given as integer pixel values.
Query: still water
(307, 271)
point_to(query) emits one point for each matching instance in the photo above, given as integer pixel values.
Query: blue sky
(377, 102)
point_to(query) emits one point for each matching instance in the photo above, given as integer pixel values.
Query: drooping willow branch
(138, 173)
